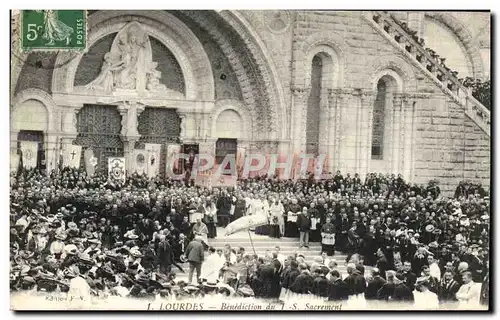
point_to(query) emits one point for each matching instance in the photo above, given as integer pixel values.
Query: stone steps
(262, 243)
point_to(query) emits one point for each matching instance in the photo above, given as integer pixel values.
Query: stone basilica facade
(354, 86)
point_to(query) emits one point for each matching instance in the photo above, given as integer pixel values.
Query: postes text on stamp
(53, 29)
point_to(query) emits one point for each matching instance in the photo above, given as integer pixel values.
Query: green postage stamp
(53, 29)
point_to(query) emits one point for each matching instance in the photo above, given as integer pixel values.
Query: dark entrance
(99, 128)
(224, 147)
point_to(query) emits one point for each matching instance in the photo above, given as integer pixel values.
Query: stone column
(408, 115)
(397, 152)
(130, 135)
(345, 129)
(388, 133)
(323, 123)
(299, 119)
(69, 129)
(366, 123)
(332, 107)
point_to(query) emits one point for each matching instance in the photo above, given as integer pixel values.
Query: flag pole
(251, 242)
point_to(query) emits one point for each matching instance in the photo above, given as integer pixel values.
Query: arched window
(378, 127)
(382, 125)
(320, 73)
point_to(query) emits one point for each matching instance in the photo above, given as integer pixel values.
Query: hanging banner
(214, 181)
(116, 169)
(140, 165)
(240, 160)
(153, 152)
(71, 156)
(90, 161)
(29, 151)
(173, 162)
(14, 162)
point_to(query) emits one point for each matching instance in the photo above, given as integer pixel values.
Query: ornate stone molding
(171, 32)
(301, 94)
(395, 67)
(266, 67)
(327, 42)
(277, 21)
(130, 112)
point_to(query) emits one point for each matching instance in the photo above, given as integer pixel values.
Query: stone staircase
(387, 25)
(288, 246)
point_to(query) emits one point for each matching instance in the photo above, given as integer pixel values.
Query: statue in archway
(128, 65)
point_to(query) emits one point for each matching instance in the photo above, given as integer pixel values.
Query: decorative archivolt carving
(329, 43)
(129, 65)
(264, 62)
(171, 32)
(395, 67)
(301, 94)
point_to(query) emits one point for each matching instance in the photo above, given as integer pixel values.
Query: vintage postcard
(238, 160)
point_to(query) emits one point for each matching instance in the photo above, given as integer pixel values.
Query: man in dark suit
(374, 284)
(355, 281)
(304, 226)
(304, 281)
(341, 236)
(195, 254)
(320, 283)
(290, 275)
(410, 277)
(395, 289)
(165, 255)
(448, 288)
(337, 288)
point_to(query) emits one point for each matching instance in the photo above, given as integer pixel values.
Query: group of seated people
(130, 239)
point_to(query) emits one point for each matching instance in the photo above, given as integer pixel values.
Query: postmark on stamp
(53, 30)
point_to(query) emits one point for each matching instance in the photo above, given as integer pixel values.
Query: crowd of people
(131, 239)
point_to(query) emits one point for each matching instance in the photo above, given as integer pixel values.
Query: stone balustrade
(435, 65)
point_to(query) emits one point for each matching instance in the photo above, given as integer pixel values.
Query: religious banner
(71, 156)
(140, 165)
(214, 181)
(90, 161)
(246, 222)
(173, 162)
(153, 152)
(29, 151)
(116, 169)
(240, 160)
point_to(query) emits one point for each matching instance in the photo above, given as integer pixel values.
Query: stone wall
(448, 146)
(36, 72)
